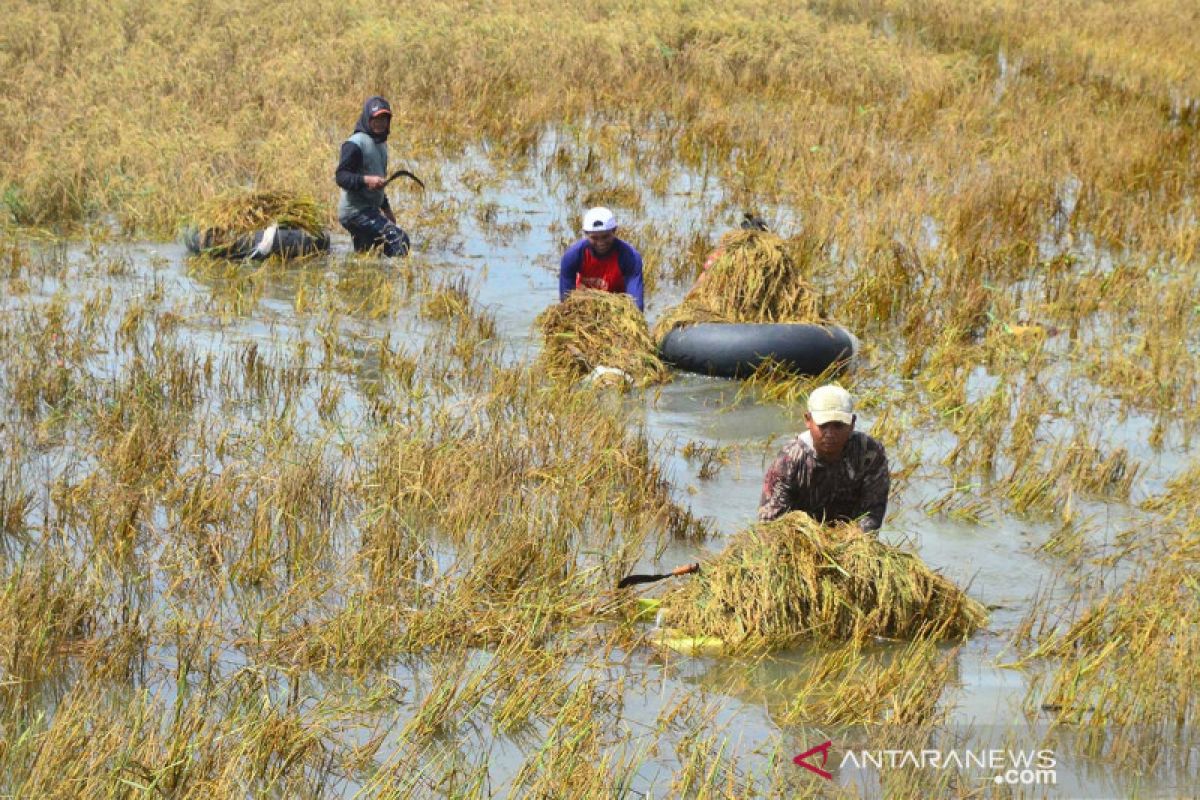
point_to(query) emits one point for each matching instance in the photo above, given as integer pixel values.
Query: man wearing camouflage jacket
(831, 472)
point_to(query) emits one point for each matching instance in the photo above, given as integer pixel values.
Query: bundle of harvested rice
(756, 277)
(790, 579)
(593, 329)
(247, 212)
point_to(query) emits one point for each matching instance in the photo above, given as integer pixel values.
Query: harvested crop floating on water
(257, 225)
(595, 333)
(791, 579)
(755, 276)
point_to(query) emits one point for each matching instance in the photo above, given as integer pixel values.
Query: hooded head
(374, 107)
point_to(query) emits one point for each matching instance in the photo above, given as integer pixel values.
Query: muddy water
(509, 256)
(998, 560)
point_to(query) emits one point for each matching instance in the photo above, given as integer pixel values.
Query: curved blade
(632, 580)
(403, 173)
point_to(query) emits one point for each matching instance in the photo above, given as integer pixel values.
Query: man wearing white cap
(600, 260)
(831, 472)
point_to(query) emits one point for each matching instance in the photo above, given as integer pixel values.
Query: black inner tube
(736, 350)
(287, 242)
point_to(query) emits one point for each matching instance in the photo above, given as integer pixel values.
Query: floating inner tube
(736, 350)
(272, 241)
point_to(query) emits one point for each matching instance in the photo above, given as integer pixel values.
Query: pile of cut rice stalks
(246, 212)
(757, 277)
(599, 333)
(224, 222)
(792, 579)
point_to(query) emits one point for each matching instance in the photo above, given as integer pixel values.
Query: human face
(829, 440)
(602, 241)
(380, 123)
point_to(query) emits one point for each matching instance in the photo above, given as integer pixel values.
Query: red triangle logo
(823, 749)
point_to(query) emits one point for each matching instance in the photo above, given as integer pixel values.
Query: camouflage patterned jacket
(856, 486)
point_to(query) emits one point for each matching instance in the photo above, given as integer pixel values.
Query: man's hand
(374, 182)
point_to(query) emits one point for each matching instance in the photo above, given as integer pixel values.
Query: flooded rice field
(323, 527)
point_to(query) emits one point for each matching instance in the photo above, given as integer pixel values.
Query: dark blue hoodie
(349, 174)
(370, 108)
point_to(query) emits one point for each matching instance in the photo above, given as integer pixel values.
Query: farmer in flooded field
(363, 209)
(601, 261)
(750, 222)
(831, 472)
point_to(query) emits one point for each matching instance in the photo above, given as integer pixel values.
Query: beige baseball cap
(831, 403)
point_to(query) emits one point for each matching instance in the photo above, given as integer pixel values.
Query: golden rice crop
(599, 329)
(1123, 669)
(755, 277)
(224, 219)
(246, 212)
(966, 178)
(792, 578)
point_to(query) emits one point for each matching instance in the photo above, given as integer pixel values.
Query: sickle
(406, 174)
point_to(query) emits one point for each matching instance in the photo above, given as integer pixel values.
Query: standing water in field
(332, 513)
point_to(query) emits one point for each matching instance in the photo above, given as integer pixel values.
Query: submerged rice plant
(1123, 671)
(313, 532)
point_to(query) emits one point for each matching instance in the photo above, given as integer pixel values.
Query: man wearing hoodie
(361, 173)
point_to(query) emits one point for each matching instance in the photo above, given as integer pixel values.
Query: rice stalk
(593, 329)
(238, 213)
(780, 582)
(223, 221)
(756, 277)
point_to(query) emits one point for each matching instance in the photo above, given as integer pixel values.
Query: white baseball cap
(598, 220)
(831, 403)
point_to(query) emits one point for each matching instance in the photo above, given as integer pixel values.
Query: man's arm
(349, 169)
(630, 261)
(877, 481)
(568, 270)
(775, 500)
